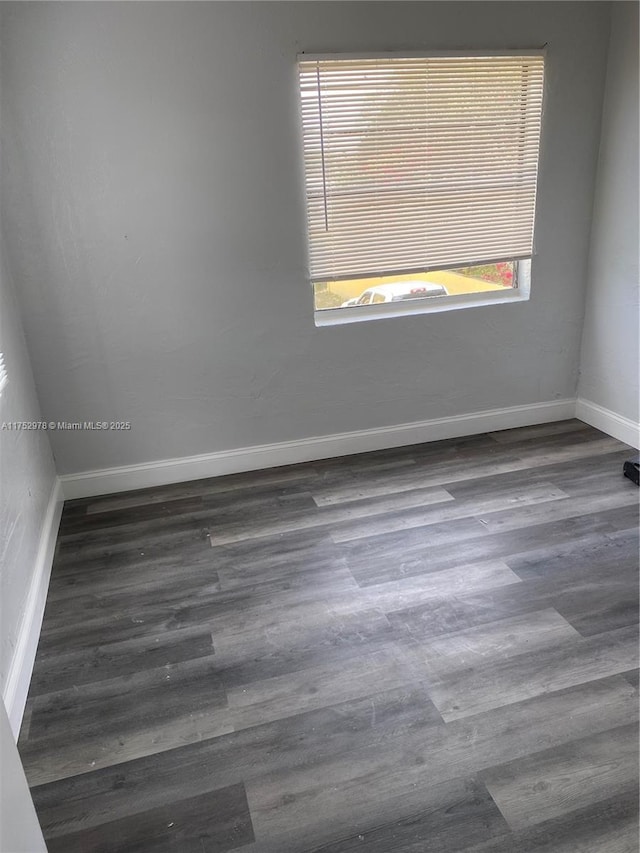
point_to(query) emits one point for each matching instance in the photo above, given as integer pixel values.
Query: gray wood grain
(499, 683)
(551, 783)
(608, 826)
(223, 535)
(102, 662)
(214, 822)
(496, 642)
(521, 496)
(423, 648)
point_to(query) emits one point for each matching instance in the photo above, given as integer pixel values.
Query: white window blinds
(419, 163)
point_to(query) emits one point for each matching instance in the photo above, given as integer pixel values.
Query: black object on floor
(631, 469)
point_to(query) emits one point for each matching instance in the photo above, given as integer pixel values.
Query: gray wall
(154, 211)
(610, 357)
(27, 477)
(19, 828)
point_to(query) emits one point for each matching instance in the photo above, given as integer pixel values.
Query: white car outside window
(397, 292)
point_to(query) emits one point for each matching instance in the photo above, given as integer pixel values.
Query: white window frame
(521, 290)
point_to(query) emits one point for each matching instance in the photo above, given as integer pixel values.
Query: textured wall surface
(153, 203)
(27, 477)
(610, 356)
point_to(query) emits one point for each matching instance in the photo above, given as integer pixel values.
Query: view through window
(456, 282)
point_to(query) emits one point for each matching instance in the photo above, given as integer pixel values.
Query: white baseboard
(163, 472)
(624, 429)
(19, 675)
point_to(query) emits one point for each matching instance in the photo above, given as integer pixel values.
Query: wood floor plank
(556, 452)
(160, 592)
(254, 559)
(604, 477)
(571, 476)
(392, 555)
(53, 760)
(215, 822)
(551, 783)
(468, 812)
(249, 656)
(446, 472)
(591, 554)
(135, 571)
(545, 721)
(522, 496)
(435, 586)
(608, 826)
(592, 605)
(363, 464)
(440, 815)
(398, 776)
(482, 688)
(325, 517)
(83, 523)
(101, 662)
(422, 476)
(312, 739)
(495, 642)
(510, 436)
(279, 477)
(513, 519)
(174, 534)
(107, 703)
(141, 618)
(597, 607)
(184, 527)
(316, 687)
(261, 612)
(89, 566)
(80, 730)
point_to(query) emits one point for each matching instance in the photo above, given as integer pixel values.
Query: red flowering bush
(501, 273)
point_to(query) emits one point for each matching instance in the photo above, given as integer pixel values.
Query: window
(3, 373)
(420, 171)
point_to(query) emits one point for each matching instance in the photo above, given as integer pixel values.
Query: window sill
(435, 305)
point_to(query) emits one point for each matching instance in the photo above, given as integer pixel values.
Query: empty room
(319, 423)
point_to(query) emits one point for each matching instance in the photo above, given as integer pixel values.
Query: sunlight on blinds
(415, 164)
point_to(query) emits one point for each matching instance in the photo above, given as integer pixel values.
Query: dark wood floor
(426, 649)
